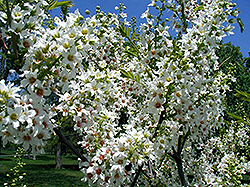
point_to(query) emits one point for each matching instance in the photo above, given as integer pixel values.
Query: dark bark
(137, 175)
(178, 160)
(162, 117)
(1, 145)
(177, 156)
(59, 155)
(69, 145)
(181, 173)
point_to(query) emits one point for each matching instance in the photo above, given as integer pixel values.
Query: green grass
(42, 173)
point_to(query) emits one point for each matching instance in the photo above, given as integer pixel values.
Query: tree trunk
(59, 155)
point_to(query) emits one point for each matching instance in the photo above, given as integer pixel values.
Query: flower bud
(87, 12)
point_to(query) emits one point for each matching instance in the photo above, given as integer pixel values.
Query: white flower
(14, 115)
(10, 90)
(65, 76)
(30, 79)
(27, 116)
(156, 106)
(17, 13)
(2, 120)
(17, 27)
(145, 14)
(71, 57)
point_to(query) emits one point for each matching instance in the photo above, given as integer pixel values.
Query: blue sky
(137, 7)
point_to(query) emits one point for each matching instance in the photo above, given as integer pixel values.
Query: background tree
(233, 64)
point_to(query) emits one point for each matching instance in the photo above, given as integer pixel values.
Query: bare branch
(177, 155)
(224, 62)
(2, 42)
(137, 175)
(64, 140)
(185, 139)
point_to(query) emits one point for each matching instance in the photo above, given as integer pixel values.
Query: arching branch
(67, 142)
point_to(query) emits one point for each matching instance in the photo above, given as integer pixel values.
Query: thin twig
(3, 44)
(224, 62)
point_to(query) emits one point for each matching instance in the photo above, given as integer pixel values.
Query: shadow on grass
(5, 159)
(35, 167)
(52, 179)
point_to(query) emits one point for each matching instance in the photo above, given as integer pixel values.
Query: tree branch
(64, 140)
(185, 139)
(137, 175)
(224, 62)
(162, 117)
(177, 155)
(2, 42)
(13, 35)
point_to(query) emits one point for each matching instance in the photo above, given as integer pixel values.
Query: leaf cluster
(234, 65)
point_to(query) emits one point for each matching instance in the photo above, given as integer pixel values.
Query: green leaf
(121, 30)
(3, 7)
(3, 55)
(149, 74)
(236, 117)
(242, 68)
(127, 74)
(130, 74)
(132, 53)
(199, 8)
(137, 78)
(241, 24)
(171, 8)
(239, 119)
(125, 31)
(134, 36)
(243, 95)
(52, 4)
(56, 4)
(65, 3)
(128, 31)
(124, 73)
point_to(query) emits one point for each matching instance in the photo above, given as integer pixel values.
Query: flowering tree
(146, 104)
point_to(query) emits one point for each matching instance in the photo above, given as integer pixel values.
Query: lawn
(41, 172)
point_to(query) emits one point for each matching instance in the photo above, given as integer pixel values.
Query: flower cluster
(24, 21)
(133, 98)
(17, 120)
